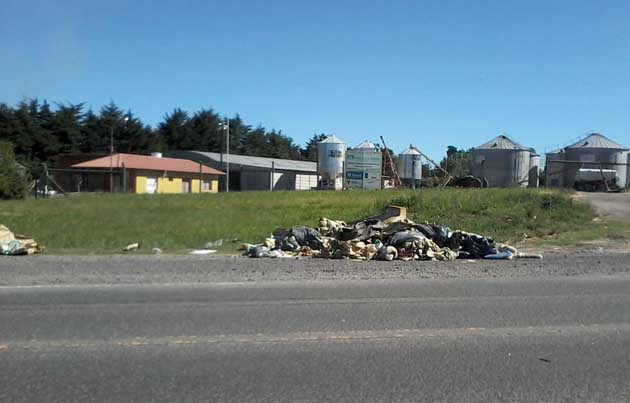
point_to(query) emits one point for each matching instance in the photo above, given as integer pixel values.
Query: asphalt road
(520, 339)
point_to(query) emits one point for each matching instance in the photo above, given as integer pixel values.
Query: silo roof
(332, 139)
(597, 140)
(411, 150)
(502, 142)
(366, 144)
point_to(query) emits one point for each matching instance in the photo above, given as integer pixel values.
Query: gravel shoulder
(609, 205)
(173, 269)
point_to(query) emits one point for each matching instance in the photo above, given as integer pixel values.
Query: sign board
(363, 169)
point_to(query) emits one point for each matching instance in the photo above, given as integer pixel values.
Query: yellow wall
(141, 184)
(174, 184)
(169, 185)
(194, 186)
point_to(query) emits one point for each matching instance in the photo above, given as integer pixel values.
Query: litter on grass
(202, 251)
(131, 246)
(12, 244)
(390, 236)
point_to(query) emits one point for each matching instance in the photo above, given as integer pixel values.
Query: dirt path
(610, 205)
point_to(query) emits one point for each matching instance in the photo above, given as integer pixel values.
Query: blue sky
(432, 73)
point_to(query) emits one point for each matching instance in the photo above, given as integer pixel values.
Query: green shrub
(13, 177)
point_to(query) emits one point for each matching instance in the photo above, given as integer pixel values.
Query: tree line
(40, 131)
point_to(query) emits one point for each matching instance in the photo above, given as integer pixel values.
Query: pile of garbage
(390, 236)
(11, 244)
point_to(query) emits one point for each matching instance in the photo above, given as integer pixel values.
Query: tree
(282, 146)
(64, 125)
(457, 162)
(206, 126)
(177, 132)
(13, 177)
(255, 143)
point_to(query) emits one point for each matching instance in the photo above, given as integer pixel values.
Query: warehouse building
(131, 173)
(257, 173)
(504, 163)
(594, 156)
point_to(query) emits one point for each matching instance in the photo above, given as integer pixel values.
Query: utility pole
(226, 127)
(111, 153)
(111, 158)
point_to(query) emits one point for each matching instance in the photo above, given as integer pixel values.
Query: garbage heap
(390, 236)
(11, 244)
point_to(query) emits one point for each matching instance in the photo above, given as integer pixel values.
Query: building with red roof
(134, 173)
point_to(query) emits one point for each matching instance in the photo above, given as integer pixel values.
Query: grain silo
(596, 151)
(534, 169)
(502, 162)
(364, 164)
(554, 168)
(410, 166)
(331, 156)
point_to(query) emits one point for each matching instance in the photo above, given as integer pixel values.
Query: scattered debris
(202, 251)
(390, 236)
(131, 246)
(11, 244)
(214, 245)
(156, 251)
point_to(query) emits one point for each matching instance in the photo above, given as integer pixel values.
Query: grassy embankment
(106, 223)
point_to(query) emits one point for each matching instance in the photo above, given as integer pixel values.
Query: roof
(249, 161)
(134, 161)
(597, 140)
(411, 150)
(502, 142)
(366, 144)
(332, 139)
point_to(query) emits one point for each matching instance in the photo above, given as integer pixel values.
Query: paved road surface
(545, 339)
(611, 205)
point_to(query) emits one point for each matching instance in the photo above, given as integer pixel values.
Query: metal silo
(534, 169)
(410, 166)
(554, 168)
(364, 164)
(596, 151)
(331, 153)
(502, 162)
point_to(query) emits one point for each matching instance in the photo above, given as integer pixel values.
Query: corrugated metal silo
(331, 153)
(502, 162)
(554, 169)
(596, 151)
(410, 166)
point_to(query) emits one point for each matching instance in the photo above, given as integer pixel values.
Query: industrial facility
(363, 167)
(594, 158)
(410, 167)
(256, 173)
(503, 162)
(331, 158)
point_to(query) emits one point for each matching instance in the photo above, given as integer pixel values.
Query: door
(151, 185)
(185, 186)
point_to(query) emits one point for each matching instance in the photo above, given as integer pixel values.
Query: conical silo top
(366, 145)
(502, 142)
(332, 139)
(411, 150)
(597, 140)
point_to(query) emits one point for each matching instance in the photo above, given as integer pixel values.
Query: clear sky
(432, 73)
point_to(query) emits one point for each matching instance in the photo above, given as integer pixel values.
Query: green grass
(106, 223)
